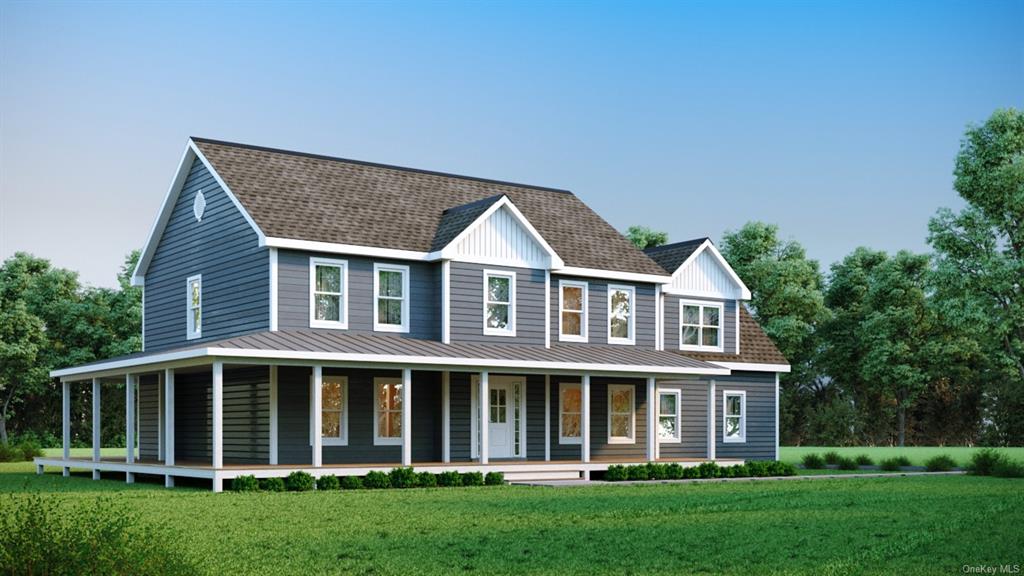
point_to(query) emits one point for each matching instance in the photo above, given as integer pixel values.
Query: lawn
(912, 525)
(917, 454)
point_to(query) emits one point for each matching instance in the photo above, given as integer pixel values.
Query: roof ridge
(677, 244)
(475, 203)
(379, 165)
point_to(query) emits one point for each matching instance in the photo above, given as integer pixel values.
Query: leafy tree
(21, 342)
(643, 237)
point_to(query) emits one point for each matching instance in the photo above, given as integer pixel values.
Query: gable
(500, 234)
(706, 273)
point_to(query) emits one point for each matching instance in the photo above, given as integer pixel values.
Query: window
(621, 414)
(572, 311)
(391, 285)
(499, 303)
(734, 417)
(570, 413)
(387, 411)
(194, 306)
(620, 314)
(668, 416)
(328, 301)
(334, 410)
(700, 326)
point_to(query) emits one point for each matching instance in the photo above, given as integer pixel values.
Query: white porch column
(652, 420)
(485, 417)
(406, 417)
(96, 425)
(547, 417)
(169, 417)
(273, 416)
(446, 417)
(318, 415)
(65, 411)
(585, 416)
(711, 420)
(129, 418)
(217, 442)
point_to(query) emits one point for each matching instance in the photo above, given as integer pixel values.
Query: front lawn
(918, 455)
(902, 524)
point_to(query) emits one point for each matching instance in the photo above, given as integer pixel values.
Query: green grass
(918, 454)
(907, 525)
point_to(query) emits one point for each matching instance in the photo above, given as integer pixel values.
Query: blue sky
(837, 121)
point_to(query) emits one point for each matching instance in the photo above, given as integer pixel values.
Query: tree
(643, 237)
(21, 341)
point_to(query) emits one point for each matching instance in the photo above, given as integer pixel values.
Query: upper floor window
(387, 411)
(621, 414)
(499, 303)
(570, 413)
(734, 416)
(334, 410)
(194, 308)
(700, 326)
(573, 311)
(668, 416)
(391, 287)
(621, 327)
(328, 298)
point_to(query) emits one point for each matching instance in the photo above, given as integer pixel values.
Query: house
(336, 316)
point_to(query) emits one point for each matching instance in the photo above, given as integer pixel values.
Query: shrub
(845, 463)
(328, 482)
(832, 457)
(351, 482)
(449, 478)
(940, 463)
(494, 479)
(674, 471)
(616, 473)
(28, 449)
(272, 484)
(7, 453)
(656, 471)
(781, 469)
(890, 464)
(299, 481)
(903, 461)
(637, 472)
(691, 472)
(426, 480)
(708, 470)
(1007, 468)
(864, 460)
(984, 461)
(375, 480)
(245, 484)
(472, 479)
(813, 461)
(740, 471)
(404, 478)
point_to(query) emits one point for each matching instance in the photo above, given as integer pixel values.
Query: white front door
(500, 426)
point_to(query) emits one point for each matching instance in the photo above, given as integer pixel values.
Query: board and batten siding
(673, 322)
(222, 247)
(293, 307)
(760, 439)
(467, 303)
(597, 311)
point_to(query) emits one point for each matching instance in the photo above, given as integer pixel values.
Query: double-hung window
(668, 416)
(499, 303)
(328, 293)
(621, 414)
(391, 287)
(387, 411)
(194, 307)
(572, 311)
(570, 413)
(334, 411)
(700, 326)
(734, 416)
(621, 322)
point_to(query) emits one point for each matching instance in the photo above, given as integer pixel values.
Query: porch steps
(544, 475)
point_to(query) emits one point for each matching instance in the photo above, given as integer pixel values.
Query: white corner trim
(446, 302)
(584, 316)
(341, 324)
(752, 367)
(631, 339)
(404, 271)
(273, 289)
(547, 309)
(738, 304)
(448, 251)
(776, 415)
(709, 246)
(512, 308)
(659, 319)
(614, 275)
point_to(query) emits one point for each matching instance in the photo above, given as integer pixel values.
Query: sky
(837, 121)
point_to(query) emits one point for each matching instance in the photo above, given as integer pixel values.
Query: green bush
(245, 484)
(375, 480)
(890, 464)
(708, 470)
(328, 482)
(427, 480)
(864, 460)
(299, 481)
(903, 461)
(940, 463)
(272, 484)
(638, 472)
(674, 471)
(8, 453)
(472, 479)
(781, 469)
(404, 478)
(494, 479)
(984, 461)
(845, 463)
(832, 457)
(29, 449)
(616, 473)
(656, 471)
(449, 478)
(1007, 468)
(351, 482)
(691, 472)
(813, 461)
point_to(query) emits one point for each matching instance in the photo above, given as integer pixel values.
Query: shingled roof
(671, 256)
(323, 199)
(755, 346)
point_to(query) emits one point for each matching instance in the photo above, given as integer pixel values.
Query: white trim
(659, 319)
(404, 271)
(776, 415)
(142, 311)
(523, 444)
(446, 417)
(562, 438)
(678, 438)
(510, 330)
(347, 249)
(701, 305)
(446, 302)
(584, 313)
(585, 418)
(547, 417)
(218, 414)
(316, 415)
(631, 439)
(342, 438)
(192, 332)
(652, 419)
(273, 417)
(273, 289)
(483, 398)
(752, 366)
(708, 245)
(379, 440)
(737, 318)
(406, 417)
(614, 275)
(65, 417)
(342, 322)
(97, 402)
(742, 438)
(631, 339)
(129, 418)
(547, 308)
(712, 432)
(159, 416)
(169, 416)
(449, 250)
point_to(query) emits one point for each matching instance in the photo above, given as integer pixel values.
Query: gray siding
(562, 451)
(760, 440)
(467, 302)
(597, 311)
(459, 403)
(694, 420)
(672, 325)
(599, 446)
(424, 293)
(149, 416)
(224, 249)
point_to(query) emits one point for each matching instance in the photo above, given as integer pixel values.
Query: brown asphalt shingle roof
(755, 346)
(318, 198)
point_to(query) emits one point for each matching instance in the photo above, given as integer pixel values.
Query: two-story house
(335, 316)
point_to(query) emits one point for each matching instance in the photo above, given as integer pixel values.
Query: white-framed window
(570, 413)
(499, 303)
(391, 298)
(621, 322)
(328, 293)
(700, 325)
(333, 410)
(669, 421)
(572, 311)
(621, 414)
(194, 306)
(387, 411)
(734, 416)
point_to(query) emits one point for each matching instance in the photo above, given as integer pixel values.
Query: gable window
(668, 416)
(499, 303)
(194, 306)
(734, 416)
(328, 298)
(621, 414)
(334, 411)
(700, 326)
(620, 314)
(387, 411)
(572, 311)
(570, 413)
(391, 286)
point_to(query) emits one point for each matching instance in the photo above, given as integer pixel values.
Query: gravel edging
(567, 483)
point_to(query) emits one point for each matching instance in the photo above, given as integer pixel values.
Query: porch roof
(324, 346)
